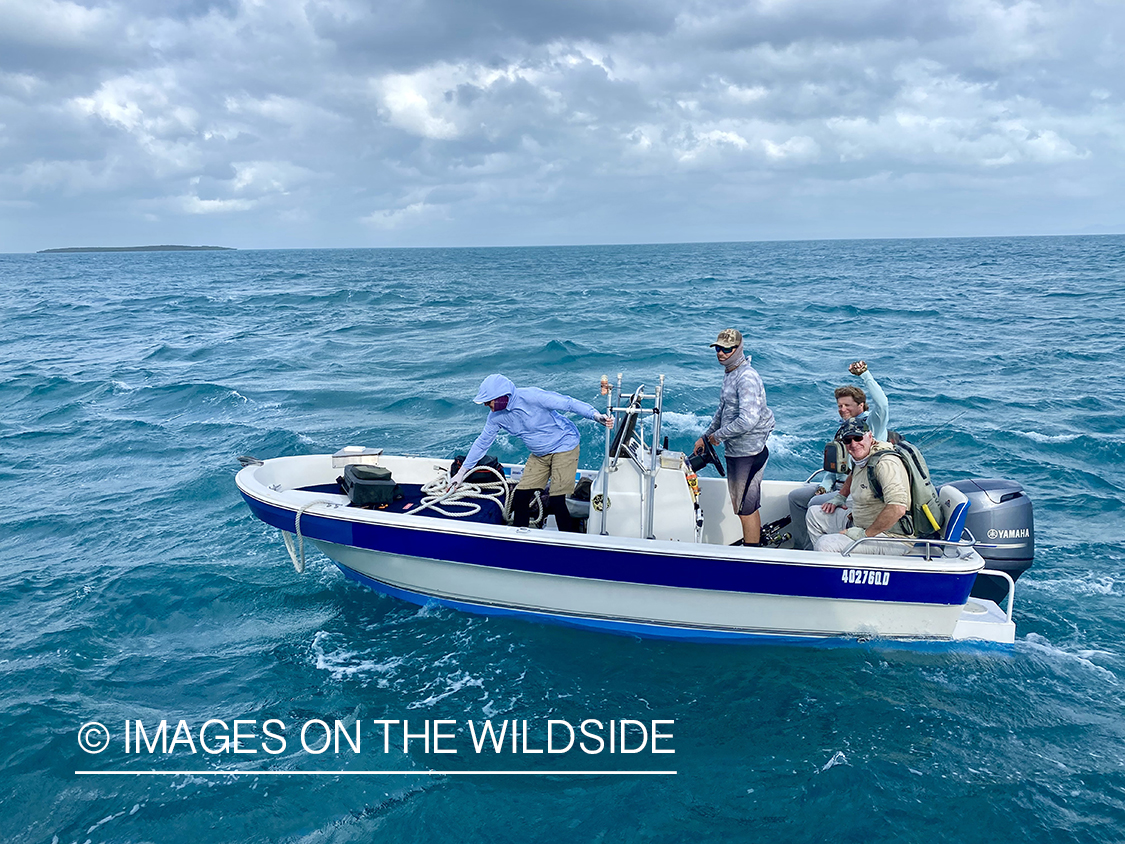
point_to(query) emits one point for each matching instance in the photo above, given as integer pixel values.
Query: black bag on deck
(369, 486)
(478, 476)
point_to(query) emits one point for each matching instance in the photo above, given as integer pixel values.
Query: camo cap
(728, 338)
(854, 427)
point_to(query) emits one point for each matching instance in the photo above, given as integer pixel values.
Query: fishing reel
(708, 456)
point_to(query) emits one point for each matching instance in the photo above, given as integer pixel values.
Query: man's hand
(458, 479)
(838, 501)
(604, 419)
(858, 368)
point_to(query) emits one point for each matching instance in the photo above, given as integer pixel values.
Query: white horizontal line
(373, 773)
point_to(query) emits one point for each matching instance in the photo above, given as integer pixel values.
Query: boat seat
(578, 509)
(955, 510)
(578, 502)
(955, 523)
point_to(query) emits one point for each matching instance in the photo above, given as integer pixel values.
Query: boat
(655, 558)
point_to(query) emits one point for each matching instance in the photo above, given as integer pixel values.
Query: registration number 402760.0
(866, 577)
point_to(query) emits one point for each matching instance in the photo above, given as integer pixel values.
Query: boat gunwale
(906, 563)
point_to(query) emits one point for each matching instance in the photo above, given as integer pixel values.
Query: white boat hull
(663, 588)
(631, 607)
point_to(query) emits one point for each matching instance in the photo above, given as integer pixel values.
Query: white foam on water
(684, 423)
(838, 758)
(694, 424)
(1081, 657)
(786, 444)
(1047, 438)
(343, 664)
(453, 684)
(492, 710)
(1089, 584)
(104, 820)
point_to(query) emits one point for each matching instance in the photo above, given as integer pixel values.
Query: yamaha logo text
(1014, 533)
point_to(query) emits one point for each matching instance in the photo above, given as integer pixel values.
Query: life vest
(923, 517)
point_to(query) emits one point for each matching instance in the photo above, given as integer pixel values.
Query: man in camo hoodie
(742, 424)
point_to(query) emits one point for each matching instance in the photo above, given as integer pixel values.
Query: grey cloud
(410, 35)
(342, 123)
(728, 26)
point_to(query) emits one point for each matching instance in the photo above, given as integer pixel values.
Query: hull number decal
(866, 577)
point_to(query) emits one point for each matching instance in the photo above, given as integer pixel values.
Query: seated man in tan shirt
(828, 525)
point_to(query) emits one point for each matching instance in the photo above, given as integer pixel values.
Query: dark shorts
(744, 480)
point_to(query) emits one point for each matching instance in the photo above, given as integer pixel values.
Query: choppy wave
(136, 584)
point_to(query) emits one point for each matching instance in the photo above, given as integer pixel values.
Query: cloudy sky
(325, 123)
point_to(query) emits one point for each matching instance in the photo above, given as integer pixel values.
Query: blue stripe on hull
(627, 566)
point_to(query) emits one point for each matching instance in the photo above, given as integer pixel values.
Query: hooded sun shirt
(743, 422)
(532, 414)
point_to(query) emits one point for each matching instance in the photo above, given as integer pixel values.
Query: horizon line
(426, 773)
(88, 249)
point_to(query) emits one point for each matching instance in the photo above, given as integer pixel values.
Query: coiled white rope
(297, 550)
(437, 492)
(437, 495)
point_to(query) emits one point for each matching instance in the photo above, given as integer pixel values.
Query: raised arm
(878, 416)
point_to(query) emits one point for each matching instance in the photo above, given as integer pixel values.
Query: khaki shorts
(560, 468)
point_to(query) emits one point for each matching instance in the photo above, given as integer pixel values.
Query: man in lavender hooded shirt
(536, 417)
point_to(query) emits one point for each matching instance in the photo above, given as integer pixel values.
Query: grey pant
(824, 528)
(800, 500)
(837, 543)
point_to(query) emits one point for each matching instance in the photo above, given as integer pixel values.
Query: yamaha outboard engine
(999, 516)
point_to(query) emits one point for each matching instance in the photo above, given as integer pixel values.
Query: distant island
(138, 249)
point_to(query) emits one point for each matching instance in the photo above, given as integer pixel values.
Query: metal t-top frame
(633, 408)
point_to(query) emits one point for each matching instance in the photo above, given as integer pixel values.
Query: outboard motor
(999, 516)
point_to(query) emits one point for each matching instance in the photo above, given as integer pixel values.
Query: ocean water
(136, 586)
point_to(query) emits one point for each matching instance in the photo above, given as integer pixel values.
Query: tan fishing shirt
(896, 488)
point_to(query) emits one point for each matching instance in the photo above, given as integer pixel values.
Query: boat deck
(481, 511)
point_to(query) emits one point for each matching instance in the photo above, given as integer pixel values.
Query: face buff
(736, 359)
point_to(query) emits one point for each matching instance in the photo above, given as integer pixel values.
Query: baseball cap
(854, 427)
(728, 338)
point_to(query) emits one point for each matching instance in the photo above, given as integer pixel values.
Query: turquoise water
(137, 587)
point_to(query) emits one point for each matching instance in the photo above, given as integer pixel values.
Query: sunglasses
(726, 350)
(852, 439)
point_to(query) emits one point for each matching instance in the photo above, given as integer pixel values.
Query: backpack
(369, 486)
(479, 475)
(923, 517)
